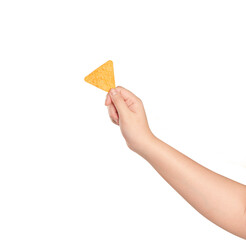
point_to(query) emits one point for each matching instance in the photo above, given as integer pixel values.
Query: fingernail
(112, 92)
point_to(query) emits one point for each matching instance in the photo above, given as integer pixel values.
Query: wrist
(143, 144)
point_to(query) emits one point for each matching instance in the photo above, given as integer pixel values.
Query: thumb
(118, 101)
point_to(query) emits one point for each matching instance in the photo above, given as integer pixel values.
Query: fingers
(118, 101)
(132, 101)
(126, 94)
(113, 114)
(108, 100)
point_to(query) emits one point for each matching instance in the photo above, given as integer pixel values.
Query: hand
(126, 110)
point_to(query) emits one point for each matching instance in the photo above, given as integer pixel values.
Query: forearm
(221, 200)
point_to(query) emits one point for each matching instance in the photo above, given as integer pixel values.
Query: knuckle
(114, 121)
(139, 101)
(119, 87)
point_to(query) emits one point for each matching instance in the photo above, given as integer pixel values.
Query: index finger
(126, 94)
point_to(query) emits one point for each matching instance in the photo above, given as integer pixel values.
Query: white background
(65, 170)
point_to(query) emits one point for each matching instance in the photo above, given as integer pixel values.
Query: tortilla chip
(102, 77)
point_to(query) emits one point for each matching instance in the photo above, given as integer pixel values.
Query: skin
(219, 199)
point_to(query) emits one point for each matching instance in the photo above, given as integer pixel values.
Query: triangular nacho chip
(102, 77)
